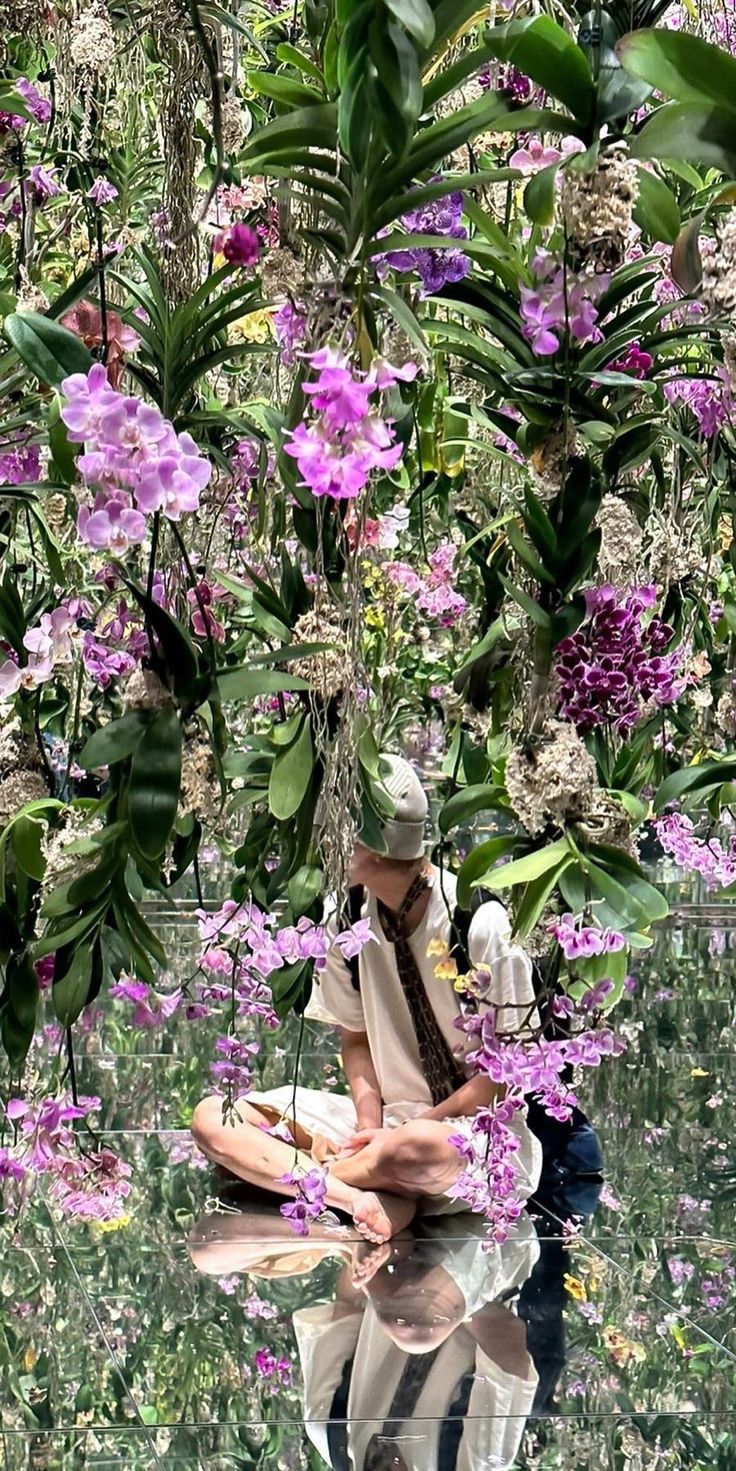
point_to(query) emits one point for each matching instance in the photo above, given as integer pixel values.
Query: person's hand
(323, 1148)
(360, 1140)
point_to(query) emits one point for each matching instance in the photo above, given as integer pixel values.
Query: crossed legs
(379, 1186)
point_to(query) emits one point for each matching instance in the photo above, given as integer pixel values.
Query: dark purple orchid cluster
(615, 663)
(434, 265)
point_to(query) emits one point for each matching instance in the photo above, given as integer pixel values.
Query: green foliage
(544, 51)
(48, 350)
(155, 778)
(291, 774)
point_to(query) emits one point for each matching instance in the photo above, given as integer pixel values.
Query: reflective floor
(201, 1332)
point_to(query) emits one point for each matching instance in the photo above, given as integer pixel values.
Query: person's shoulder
(490, 920)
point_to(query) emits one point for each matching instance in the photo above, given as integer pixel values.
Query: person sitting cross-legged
(386, 1144)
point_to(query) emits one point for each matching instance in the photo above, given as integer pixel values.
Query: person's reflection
(419, 1363)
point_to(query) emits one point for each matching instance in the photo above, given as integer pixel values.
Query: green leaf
(13, 102)
(12, 614)
(680, 65)
(529, 605)
(56, 939)
(283, 90)
(303, 888)
(651, 901)
(479, 861)
(396, 87)
(464, 804)
(306, 127)
(26, 839)
(527, 555)
(155, 779)
(706, 776)
(288, 987)
(656, 211)
(136, 938)
(286, 733)
(535, 897)
(686, 266)
(539, 527)
(525, 870)
(49, 350)
(416, 18)
(690, 132)
(18, 1006)
(620, 896)
(293, 57)
(539, 195)
(369, 755)
(113, 742)
(545, 52)
(290, 775)
(69, 993)
(490, 638)
(371, 828)
(182, 664)
(354, 112)
(246, 683)
(63, 453)
(244, 594)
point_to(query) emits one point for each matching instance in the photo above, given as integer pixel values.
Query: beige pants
(333, 1115)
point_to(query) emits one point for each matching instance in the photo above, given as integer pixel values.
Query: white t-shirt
(499, 1403)
(380, 1008)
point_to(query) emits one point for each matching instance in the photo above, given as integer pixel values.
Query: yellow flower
(446, 970)
(725, 533)
(436, 947)
(374, 618)
(30, 1359)
(254, 327)
(575, 1287)
(115, 1225)
(698, 1072)
(623, 1350)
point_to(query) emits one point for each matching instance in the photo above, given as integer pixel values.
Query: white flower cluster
(145, 691)
(621, 541)
(21, 778)
(597, 209)
(234, 124)
(200, 789)
(329, 672)
(718, 289)
(92, 42)
(552, 779)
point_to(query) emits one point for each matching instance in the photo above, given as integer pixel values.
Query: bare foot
(368, 1258)
(378, 1216)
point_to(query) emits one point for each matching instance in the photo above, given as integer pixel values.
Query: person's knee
(412, 1147)
(207, 1123)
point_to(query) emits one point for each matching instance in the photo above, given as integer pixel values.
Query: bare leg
(415, 1160)
(260, 1158)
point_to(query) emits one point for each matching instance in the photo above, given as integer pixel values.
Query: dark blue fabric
(570, 1187)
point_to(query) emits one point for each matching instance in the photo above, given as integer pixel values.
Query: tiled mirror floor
(202, 1333)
